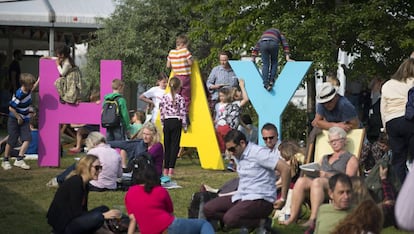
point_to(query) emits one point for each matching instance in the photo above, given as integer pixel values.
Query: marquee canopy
(35, 24)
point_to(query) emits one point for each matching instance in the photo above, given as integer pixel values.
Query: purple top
(157, 153)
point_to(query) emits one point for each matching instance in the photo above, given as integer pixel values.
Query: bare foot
(308, 223)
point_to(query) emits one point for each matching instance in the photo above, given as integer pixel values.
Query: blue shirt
(256, 169)
(344, 111)
(220, 75)
(21, 102)
(34, 143)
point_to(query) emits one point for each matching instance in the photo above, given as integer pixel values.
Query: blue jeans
(190, 226)
(88, 222)
(62, 176)
(269, 50)
(115, 134)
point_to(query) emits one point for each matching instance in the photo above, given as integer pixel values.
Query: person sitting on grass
(68, 212)
(365, 218)
(109, 159)
(150, 205)
(255, 197)
(340, 161)
(148, 139)
(340, 193)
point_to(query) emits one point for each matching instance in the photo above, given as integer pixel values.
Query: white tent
(39, 24)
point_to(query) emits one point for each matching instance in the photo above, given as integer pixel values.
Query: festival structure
(201, 134)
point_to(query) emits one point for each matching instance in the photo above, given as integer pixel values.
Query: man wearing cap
(334, 110)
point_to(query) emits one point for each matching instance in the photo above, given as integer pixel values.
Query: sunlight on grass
(24, 196)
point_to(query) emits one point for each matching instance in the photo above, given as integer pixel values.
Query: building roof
(28, 22)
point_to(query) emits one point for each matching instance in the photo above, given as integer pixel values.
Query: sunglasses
(98, 167)
(268, 138)
(232, 149)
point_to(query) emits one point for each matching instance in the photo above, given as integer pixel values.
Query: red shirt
(152, 211)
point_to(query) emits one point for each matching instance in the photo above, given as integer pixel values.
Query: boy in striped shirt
(18, 122)
(180, 61)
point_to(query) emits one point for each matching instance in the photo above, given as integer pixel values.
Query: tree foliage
(379, 31)
(140, 33)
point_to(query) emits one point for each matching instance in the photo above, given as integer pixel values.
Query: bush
(294, 123)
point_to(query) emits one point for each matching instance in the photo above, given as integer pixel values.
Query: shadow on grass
(19, 214)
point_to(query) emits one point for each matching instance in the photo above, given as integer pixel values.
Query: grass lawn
(24, 198)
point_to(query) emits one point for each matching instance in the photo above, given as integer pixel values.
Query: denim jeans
(115, 134)
(88, 222)
(190, 226)
(62, 176)
(269, 50)
(401, 139)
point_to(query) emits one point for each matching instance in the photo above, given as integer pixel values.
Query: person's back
(157, 203)
(118, 132)
(111, 166)
(180, 60)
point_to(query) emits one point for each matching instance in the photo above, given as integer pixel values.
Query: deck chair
(355, 140)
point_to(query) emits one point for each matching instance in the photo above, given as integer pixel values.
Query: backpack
(195, 211)
(110, 116)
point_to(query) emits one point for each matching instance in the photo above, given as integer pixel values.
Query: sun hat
(326, 93)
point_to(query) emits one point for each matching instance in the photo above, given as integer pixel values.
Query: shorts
(17, 131)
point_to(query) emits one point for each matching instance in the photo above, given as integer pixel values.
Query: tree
(380, 32)
(140, 33)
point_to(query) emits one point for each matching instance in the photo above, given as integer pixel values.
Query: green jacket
(122, 109)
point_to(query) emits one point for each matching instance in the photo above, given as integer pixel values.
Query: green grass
(24, 198)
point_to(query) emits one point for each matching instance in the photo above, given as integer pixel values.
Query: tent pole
(52, 41)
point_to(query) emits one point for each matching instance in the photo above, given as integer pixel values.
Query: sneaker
(6, 165)
(52, 183)
(21, 164)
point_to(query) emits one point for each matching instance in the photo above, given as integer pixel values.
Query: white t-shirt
(155, 94)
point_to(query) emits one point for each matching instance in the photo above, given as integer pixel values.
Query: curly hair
(366, 217)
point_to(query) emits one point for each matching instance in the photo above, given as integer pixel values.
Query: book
(311, 169)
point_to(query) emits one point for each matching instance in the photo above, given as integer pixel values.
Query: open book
(311, 169)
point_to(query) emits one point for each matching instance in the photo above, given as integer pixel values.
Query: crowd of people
(266, 173)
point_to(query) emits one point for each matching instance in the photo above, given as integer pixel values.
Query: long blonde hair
(84, 166)
(288, 150)
(151, 127)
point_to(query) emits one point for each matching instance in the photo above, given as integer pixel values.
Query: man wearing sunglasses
(270, 136)
(253, 201)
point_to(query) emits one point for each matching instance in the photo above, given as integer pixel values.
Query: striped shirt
(274, 35)
(21, 102)
(179, 61)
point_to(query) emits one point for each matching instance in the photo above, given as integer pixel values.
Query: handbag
(118, 226)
